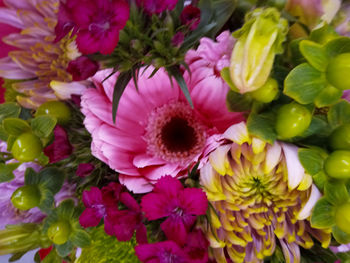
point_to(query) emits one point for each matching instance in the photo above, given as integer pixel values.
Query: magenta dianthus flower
(191, 16)
(180, 205)
(157, 6)
(96, 23)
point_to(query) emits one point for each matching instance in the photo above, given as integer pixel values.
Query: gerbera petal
(138, 185)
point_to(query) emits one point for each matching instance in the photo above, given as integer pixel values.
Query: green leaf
(43, 159)
(15, 126)
(312, 160)
(176, 73)
(304, 83)
(6, 173)
(237, 102)
(3, 134)
(119, 87)
(323, 34)
(320, 180)
(339, 114)
(337, 46)
(47, 199)
(328, 96)
(43, 126)
(9, 110)
(10, 141)
(64, 249)
(314, 54)
(80, 238)
(52, 257)
(318, 127)
(52, 178)
(16, 256)
(262, 126)
(31, 177)
(340, 236)
(225, 74)
(222, 11)
(336, 193)
(323, 214)
(66, 209)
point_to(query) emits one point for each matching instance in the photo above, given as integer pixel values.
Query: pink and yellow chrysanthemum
(259, 193)
(37, 60)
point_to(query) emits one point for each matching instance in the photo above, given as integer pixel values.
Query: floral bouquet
(171, 131)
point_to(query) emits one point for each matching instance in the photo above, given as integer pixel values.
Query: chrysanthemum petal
(305, 212)
(64, 90)
(294, 167)
(273, 156)
(238, 133)
(218, 159)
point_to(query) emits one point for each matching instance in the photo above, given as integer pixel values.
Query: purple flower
(60, 148)
(191, 16)
(161, 252)
(82, 68)
(196, 247)
(180, 205)
(96, 23)
(157, 6)
(84, 169)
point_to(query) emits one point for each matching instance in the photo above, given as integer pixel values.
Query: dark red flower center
(174, 133)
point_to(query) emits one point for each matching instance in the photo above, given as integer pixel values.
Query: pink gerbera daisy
(156, 132)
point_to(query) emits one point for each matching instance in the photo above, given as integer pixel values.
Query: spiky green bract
(68, 213)
(22, 238)
(107, 249)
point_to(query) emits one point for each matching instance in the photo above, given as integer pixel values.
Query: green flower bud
(258, 41)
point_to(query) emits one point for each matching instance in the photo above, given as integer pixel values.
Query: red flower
(84, 169)
(60, 148)
(191, 16)
(82, 68)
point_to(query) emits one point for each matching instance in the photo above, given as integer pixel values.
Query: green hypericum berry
(267, 92)
(59, 232)
(292, 120)
(337, 164)
(56, 109)
(26, 197)
(26, 148)
(340, 138)
(342, 217)
(338, 71)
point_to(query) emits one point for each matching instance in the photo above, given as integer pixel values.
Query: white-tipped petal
(305, 183)
(295, 169)
(64, 90)
(305, 212)
(237, 133)
(218, 159)
(258, 145)
(272, 158)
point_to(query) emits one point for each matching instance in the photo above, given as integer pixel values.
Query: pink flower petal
(194, 201)
(90, 217)
(92, 197)
(175, 230)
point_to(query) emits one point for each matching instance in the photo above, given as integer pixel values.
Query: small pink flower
(180, 205)
(96, 23)
(191, 16)
(82, 68)
(84, 169)
(60, 148)
(157, 6)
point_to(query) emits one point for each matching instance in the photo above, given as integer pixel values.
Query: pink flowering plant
(175, 131)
